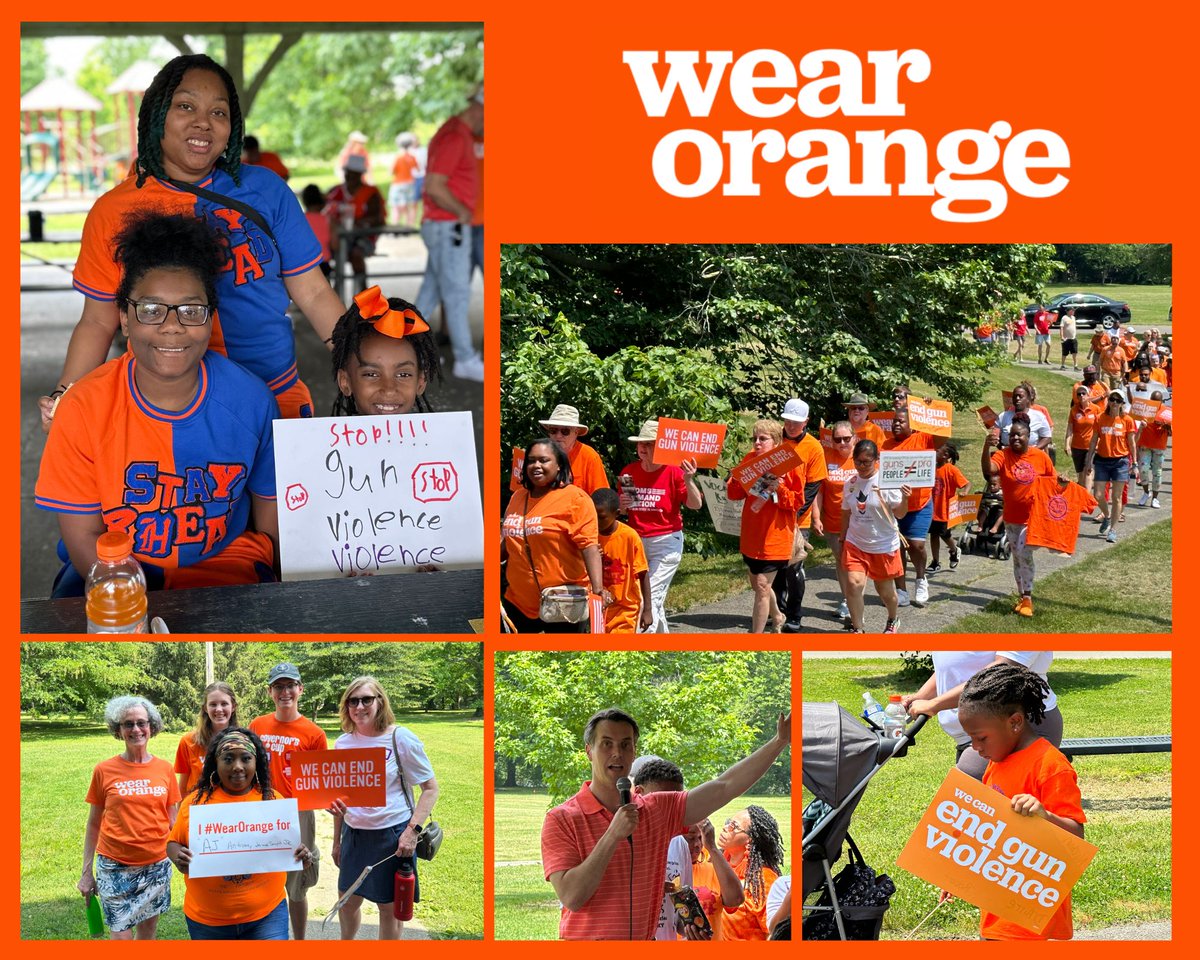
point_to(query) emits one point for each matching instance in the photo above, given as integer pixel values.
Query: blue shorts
(1111, 469)
(1041, 338)
(360, 849)
(914, 525)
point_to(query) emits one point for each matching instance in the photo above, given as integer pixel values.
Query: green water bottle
(95, 918)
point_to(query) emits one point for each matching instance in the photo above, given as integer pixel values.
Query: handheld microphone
(624, 786)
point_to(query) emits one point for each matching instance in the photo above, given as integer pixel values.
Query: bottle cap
(895, 698)
(114, 545)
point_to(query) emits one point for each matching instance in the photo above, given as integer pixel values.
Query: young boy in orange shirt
(626, 573)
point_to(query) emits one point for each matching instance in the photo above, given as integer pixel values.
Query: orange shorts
(295, 402)
(877, 566)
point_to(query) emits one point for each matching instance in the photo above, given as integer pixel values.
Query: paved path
(952, 593)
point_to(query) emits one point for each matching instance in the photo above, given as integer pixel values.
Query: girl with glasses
(133, 798)
(169, 442)
(366, 835)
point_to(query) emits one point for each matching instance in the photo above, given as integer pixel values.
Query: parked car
(1091, 310)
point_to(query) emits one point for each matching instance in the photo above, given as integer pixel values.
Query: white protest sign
(231, 839)
(377, 494)
(914, 468)
(726, 514)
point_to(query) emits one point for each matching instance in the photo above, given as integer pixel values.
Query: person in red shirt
(352, 205)
(263, 158)
(1152, 445)
(1020, 330)
(768, 524)
(998, 709)
(1041, 333)
(1113, 449)
(1017, 466)
(605, 853)
(949, 483)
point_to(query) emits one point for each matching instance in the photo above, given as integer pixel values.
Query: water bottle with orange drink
(116, 587)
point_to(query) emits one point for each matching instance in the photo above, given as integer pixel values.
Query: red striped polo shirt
(572, 830)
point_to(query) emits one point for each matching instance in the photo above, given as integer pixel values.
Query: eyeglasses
(736, 827)
(361, 701)
(189, 314)
(135, 724)
(284, 687)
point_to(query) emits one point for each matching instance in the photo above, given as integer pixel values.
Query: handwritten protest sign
(726, 514)
(914, 468)
(971, 844)
(962, 509)
(933, 418)
(377, 494)
(518, 464)
(882, 419)
(679, 440)
(1163, 415)
(987, 416)
(357, 776)
(777, 461)
(1143, 410)
(230, 839)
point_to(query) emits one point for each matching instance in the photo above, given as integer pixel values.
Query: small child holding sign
(997, 710)
(626, 572)
(384, 356)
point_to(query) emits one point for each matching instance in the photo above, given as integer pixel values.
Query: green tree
(33, 63)
(77, 677)
(106, 61)
(689, 706)
(456, 669)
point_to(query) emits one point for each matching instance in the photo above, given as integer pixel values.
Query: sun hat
(858, 400)
(795, 409)
(649, 433)
(358, 136)
(564, 415)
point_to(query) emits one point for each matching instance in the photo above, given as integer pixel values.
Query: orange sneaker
(1024, 607)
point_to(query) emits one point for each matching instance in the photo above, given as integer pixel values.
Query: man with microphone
(605, 852)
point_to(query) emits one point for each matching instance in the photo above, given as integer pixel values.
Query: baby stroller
(840, 757)
(978, 536)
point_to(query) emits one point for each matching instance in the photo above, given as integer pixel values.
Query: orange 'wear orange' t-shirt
(1114, 435)
(1017, 476)
(624, 558)
(1043, 772)
(812, 455)
(1153, 436)
(767, 534)
(282, 739)
(220, 901)
(554, 530)
(1054, 515)
(1083, 425)
(746, 922)
(914, 441)
(134, 801)
(836, 475)
(189, 760)
(947, 482)
(587, 470)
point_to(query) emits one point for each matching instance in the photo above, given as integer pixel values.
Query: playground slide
(33, 185)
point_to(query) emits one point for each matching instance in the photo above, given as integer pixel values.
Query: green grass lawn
(1148, 303)
(1085, 598)
(525, 905)
(57, 757)
(1127, 798)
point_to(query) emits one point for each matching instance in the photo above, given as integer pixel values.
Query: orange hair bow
(397, 324)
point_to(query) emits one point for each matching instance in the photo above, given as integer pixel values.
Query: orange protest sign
(970, 842)
(1163, 415)
(987, 416)
(1006, 396)
(1142, 409)
(358, 777)
(826, 437)
(882, 419)
(962, 509)
(518, 464)
(777, 461)
(680, 440)
(933, 418)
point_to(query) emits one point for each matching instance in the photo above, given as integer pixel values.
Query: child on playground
(170, 442)
(949, 482)
(384, 356)
(997, 709)
(626, 572)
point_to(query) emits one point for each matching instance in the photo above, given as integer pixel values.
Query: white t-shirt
(953, 667)
(779, 890)
(416, 771)
(1068, 327)
(1039, 426)
(679, 864)
(870, 528)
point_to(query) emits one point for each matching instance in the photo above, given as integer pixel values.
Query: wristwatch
(416, 828)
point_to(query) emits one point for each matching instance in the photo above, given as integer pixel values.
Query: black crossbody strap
(239, 205)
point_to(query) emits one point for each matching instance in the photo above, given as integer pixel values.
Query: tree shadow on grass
(59, 729)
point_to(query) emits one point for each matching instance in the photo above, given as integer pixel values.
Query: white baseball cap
(795, 409)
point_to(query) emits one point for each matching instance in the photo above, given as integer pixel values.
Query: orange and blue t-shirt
(180, 483)
(253, 326)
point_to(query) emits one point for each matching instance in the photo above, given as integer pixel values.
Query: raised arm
(711, 796)
(733, 895)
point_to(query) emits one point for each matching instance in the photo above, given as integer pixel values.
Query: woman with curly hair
(133, 799)
(189, 153)
(244, 907)
(751, 843)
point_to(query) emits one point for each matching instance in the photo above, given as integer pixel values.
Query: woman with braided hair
(251, 906)
(189, 161)
(751, 843)
(999, 709)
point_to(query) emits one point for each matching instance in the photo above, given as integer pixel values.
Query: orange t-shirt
(747, 922)
(1153, 436)
(1100, 340)
(134, 800)
(836, 475)
(587, 470)
(1114, 435)
(1083, 425)
(402, 169)
(189, 759)
(1112, 359)
(914, 441)
(767, 534)
(812, 455)
(1017, 476)
(1054, 515)
(1158, 375)
(1042, 771)
(554, 529)
(282, 739)
(871, 431)
(623, 557)
(220, 901)
(947, 482)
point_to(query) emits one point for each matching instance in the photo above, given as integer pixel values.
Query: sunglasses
(361, 701)
(135, 724)
(564, 431)
(842, 439)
